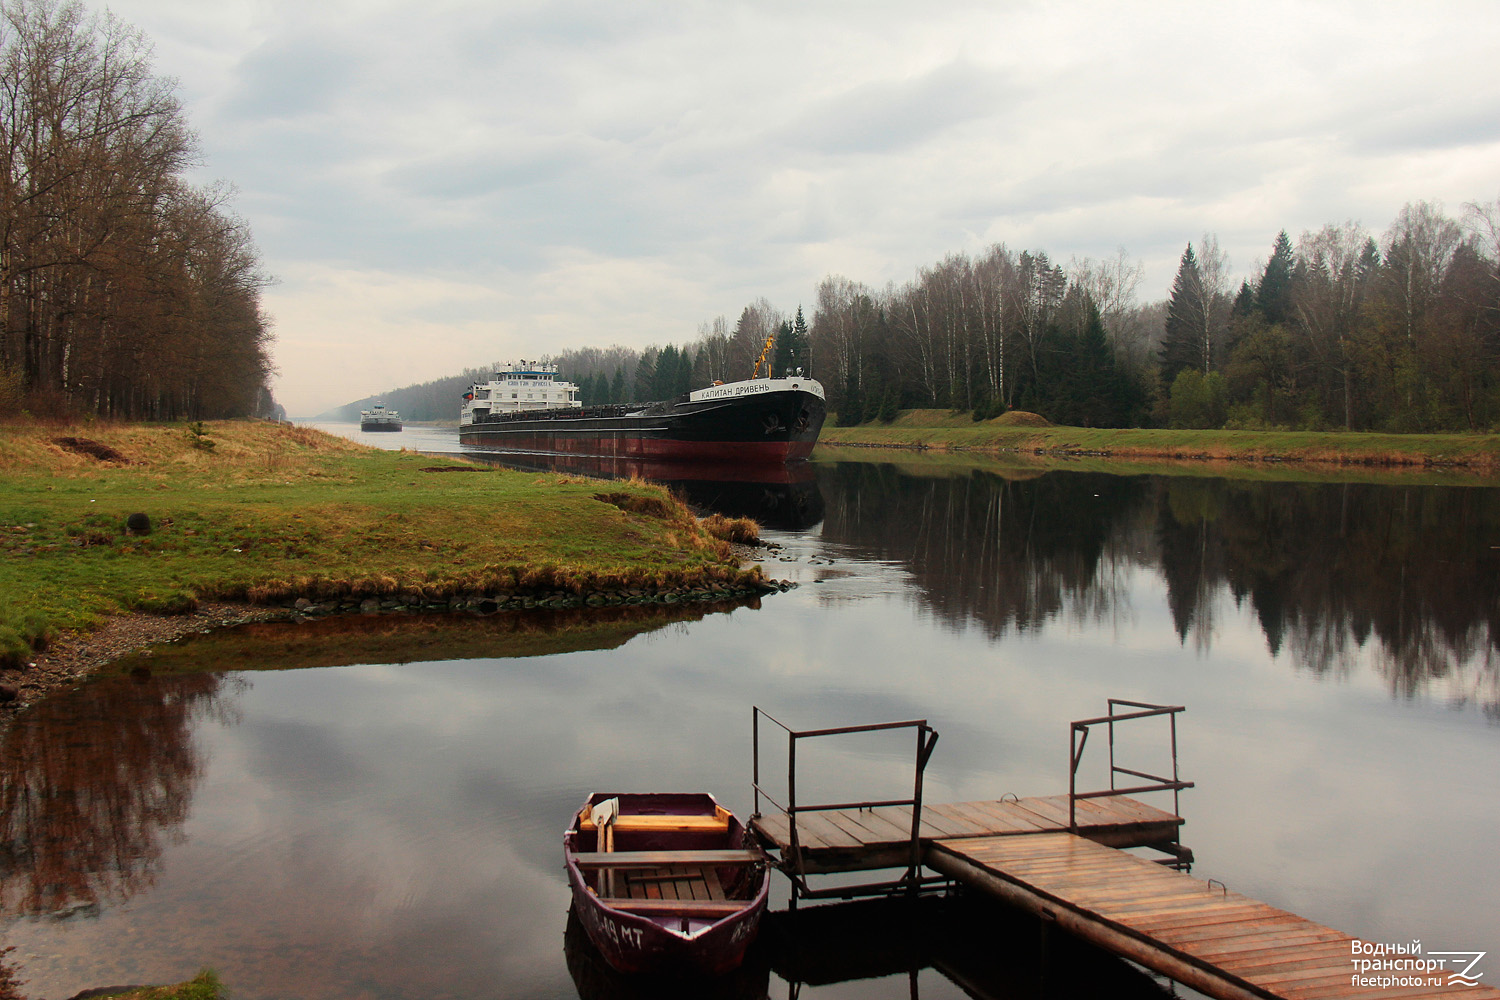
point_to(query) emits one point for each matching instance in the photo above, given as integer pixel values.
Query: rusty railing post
(755, 758)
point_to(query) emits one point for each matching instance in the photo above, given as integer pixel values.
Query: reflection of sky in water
(394, 830)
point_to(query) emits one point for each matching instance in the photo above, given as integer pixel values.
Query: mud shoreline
(74, 655)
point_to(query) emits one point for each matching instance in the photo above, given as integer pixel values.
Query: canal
(373, 807)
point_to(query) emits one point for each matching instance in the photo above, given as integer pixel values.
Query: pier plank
(934, 827)
(1010, 816)
(815, 830)
(1215, 939)
(965, 821)
(900, 818)
(1258, 943)
(1246, 912)
(877, 829)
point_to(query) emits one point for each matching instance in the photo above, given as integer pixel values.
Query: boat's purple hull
(664, 941)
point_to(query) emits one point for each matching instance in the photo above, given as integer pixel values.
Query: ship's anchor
(804, 420)
(772, 422)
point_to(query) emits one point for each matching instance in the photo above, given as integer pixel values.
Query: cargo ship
(378, 418)
(525, 408)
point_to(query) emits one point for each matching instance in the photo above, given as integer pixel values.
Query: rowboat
(665, 882)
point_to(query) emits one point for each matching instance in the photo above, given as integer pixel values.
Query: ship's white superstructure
(522, 386)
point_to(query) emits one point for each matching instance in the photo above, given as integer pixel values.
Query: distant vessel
(378, 418)
(525, 408)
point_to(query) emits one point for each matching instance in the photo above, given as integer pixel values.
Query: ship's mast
(770, 339)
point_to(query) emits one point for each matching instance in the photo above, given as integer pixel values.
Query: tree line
(719, 354)
(1342, 331)
(620, 374)
(1339, 330)
(125, 292)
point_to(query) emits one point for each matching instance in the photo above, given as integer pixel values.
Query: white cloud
(621, 172)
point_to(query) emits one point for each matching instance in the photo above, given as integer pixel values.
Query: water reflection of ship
(596, 980)
(782, 497)
(985, 949)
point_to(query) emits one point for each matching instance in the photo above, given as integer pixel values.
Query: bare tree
(1213, 270)
(1327, 301)
(122, 290)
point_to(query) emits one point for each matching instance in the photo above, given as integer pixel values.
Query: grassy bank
(204, 986)
(1014, 432)
(930, 463)
(264, 513)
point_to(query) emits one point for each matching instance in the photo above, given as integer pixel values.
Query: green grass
(943, 430)
(204, 986)
(270, 513)
(940, 463)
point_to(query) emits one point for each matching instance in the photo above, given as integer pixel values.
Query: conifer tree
(645, 375)
(1093, 382)
(1244, 302)
(792, 348)
(1274, 296)
(664, 378)
(1181, 347)
(852, 409)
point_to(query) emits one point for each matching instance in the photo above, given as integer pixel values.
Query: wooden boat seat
(661, 824)
(676, 907)
(666, 859)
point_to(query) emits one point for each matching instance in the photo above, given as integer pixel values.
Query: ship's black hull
(379, 427)
(764, 428)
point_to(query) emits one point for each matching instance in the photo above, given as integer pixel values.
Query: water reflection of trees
(1002, 553)
(91, 784)
(1404, 578)
(1407, 576)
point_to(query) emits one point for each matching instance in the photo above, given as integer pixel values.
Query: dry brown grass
(492, 581)
(739, 530)
(248, 447)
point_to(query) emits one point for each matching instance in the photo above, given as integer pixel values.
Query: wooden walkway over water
(1219, 942)
(1062, 858)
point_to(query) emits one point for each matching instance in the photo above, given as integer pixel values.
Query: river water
(359, 810)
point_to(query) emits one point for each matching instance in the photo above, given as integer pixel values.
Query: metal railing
(926, 737)
(1158, 783)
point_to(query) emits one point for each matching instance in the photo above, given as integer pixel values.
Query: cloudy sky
(453, 183)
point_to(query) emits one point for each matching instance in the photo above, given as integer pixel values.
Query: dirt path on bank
(75, 655)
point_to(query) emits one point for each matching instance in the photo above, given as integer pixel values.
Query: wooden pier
(1063, 859)
(1200, 934)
